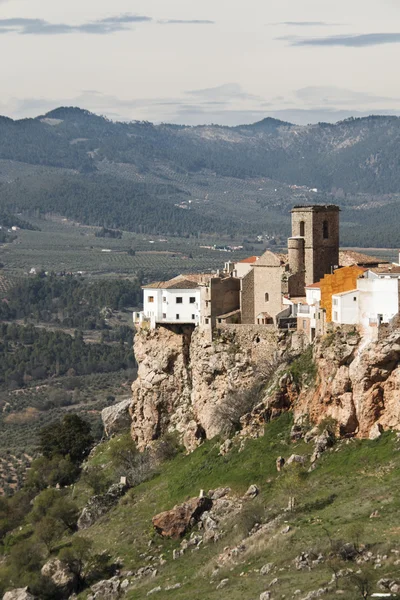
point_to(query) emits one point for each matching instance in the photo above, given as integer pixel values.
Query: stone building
(313, 251)
(317, 227)
(196, 299)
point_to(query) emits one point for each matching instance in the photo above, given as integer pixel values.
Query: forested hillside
(179, 180)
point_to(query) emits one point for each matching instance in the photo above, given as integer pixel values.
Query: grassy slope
(349, 483)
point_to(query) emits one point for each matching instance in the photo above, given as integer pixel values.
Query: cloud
(104, 26)
(354, 41)
(336, 96)
(186, 22)
(307, 24)
(224, 92)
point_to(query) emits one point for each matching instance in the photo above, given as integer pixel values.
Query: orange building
(342, 280)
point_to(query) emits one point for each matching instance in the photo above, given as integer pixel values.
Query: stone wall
(247, 298)
(268, 280)
(321, 253)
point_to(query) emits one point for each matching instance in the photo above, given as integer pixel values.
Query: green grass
(349, 482)
(334, 501)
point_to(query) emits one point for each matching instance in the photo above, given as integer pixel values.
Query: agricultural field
(61, 245)
(23, 412)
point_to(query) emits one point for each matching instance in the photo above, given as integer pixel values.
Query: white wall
(377, 297)
(313, 296)
(165, 308)
(345, 308)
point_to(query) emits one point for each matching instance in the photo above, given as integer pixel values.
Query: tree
(70, 437)
(128, 461)
(97, 479)
(83, 562)
(292, 483)
(48, 531)
(66, 512)
(363, 582)
(42, 504)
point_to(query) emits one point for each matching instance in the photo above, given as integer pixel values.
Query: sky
(190, 62)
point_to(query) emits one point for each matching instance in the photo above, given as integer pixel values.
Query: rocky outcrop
(176, 522)
(107, 589)
(185, 382)
(116, 418)
(98, 506)
(60, 574)
(18, 594)
(184, 378)
(358, 384)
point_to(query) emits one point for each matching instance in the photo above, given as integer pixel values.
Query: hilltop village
(312, 286)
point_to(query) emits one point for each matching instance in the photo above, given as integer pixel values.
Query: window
(150, 299)
(192, 300)
(164, 315)
(335, 302)
(164, 299)
(206, 321)
(325, 230)
(179, 300)
(177, 317)
(335, 316)
(302, 228)
(304, 324)
(354, 298)
(266, 297)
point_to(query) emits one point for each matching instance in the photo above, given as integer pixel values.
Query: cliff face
(183, 378)
(358, 383)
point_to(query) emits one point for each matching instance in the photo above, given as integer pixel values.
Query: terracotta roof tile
(249, 260)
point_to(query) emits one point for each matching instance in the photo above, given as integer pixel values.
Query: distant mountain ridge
(355, 162)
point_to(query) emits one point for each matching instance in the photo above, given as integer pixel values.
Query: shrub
(303, 369)
(128, 461)
(234, 406)
(69, 437)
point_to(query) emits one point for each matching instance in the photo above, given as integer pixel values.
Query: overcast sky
(208, 61)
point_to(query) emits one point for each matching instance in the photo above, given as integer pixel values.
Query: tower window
(302, 228)
(325, 230)
(266, 297)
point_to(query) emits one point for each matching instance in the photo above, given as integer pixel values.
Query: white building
(375, 301)
(241, 268)
(175, 302)
(345, 308)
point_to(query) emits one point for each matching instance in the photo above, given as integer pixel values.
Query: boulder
(296, 458)
(376, 431)
(324, 441)
(107, 589)
(98, 506)
(252, 492)
(176, 522)
(18, 594)
(116, 418)
(60, 574)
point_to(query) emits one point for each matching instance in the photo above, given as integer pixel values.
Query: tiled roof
(229, 314)
(181, 282)
(316, 285)
(389, 268)
(347, 258)
(249, 260)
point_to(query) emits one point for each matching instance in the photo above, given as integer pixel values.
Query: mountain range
(180, 180)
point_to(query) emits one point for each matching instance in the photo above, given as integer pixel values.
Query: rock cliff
(184, 378)
(357, 384)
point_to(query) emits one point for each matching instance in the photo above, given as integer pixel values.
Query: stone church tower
(314, 245)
